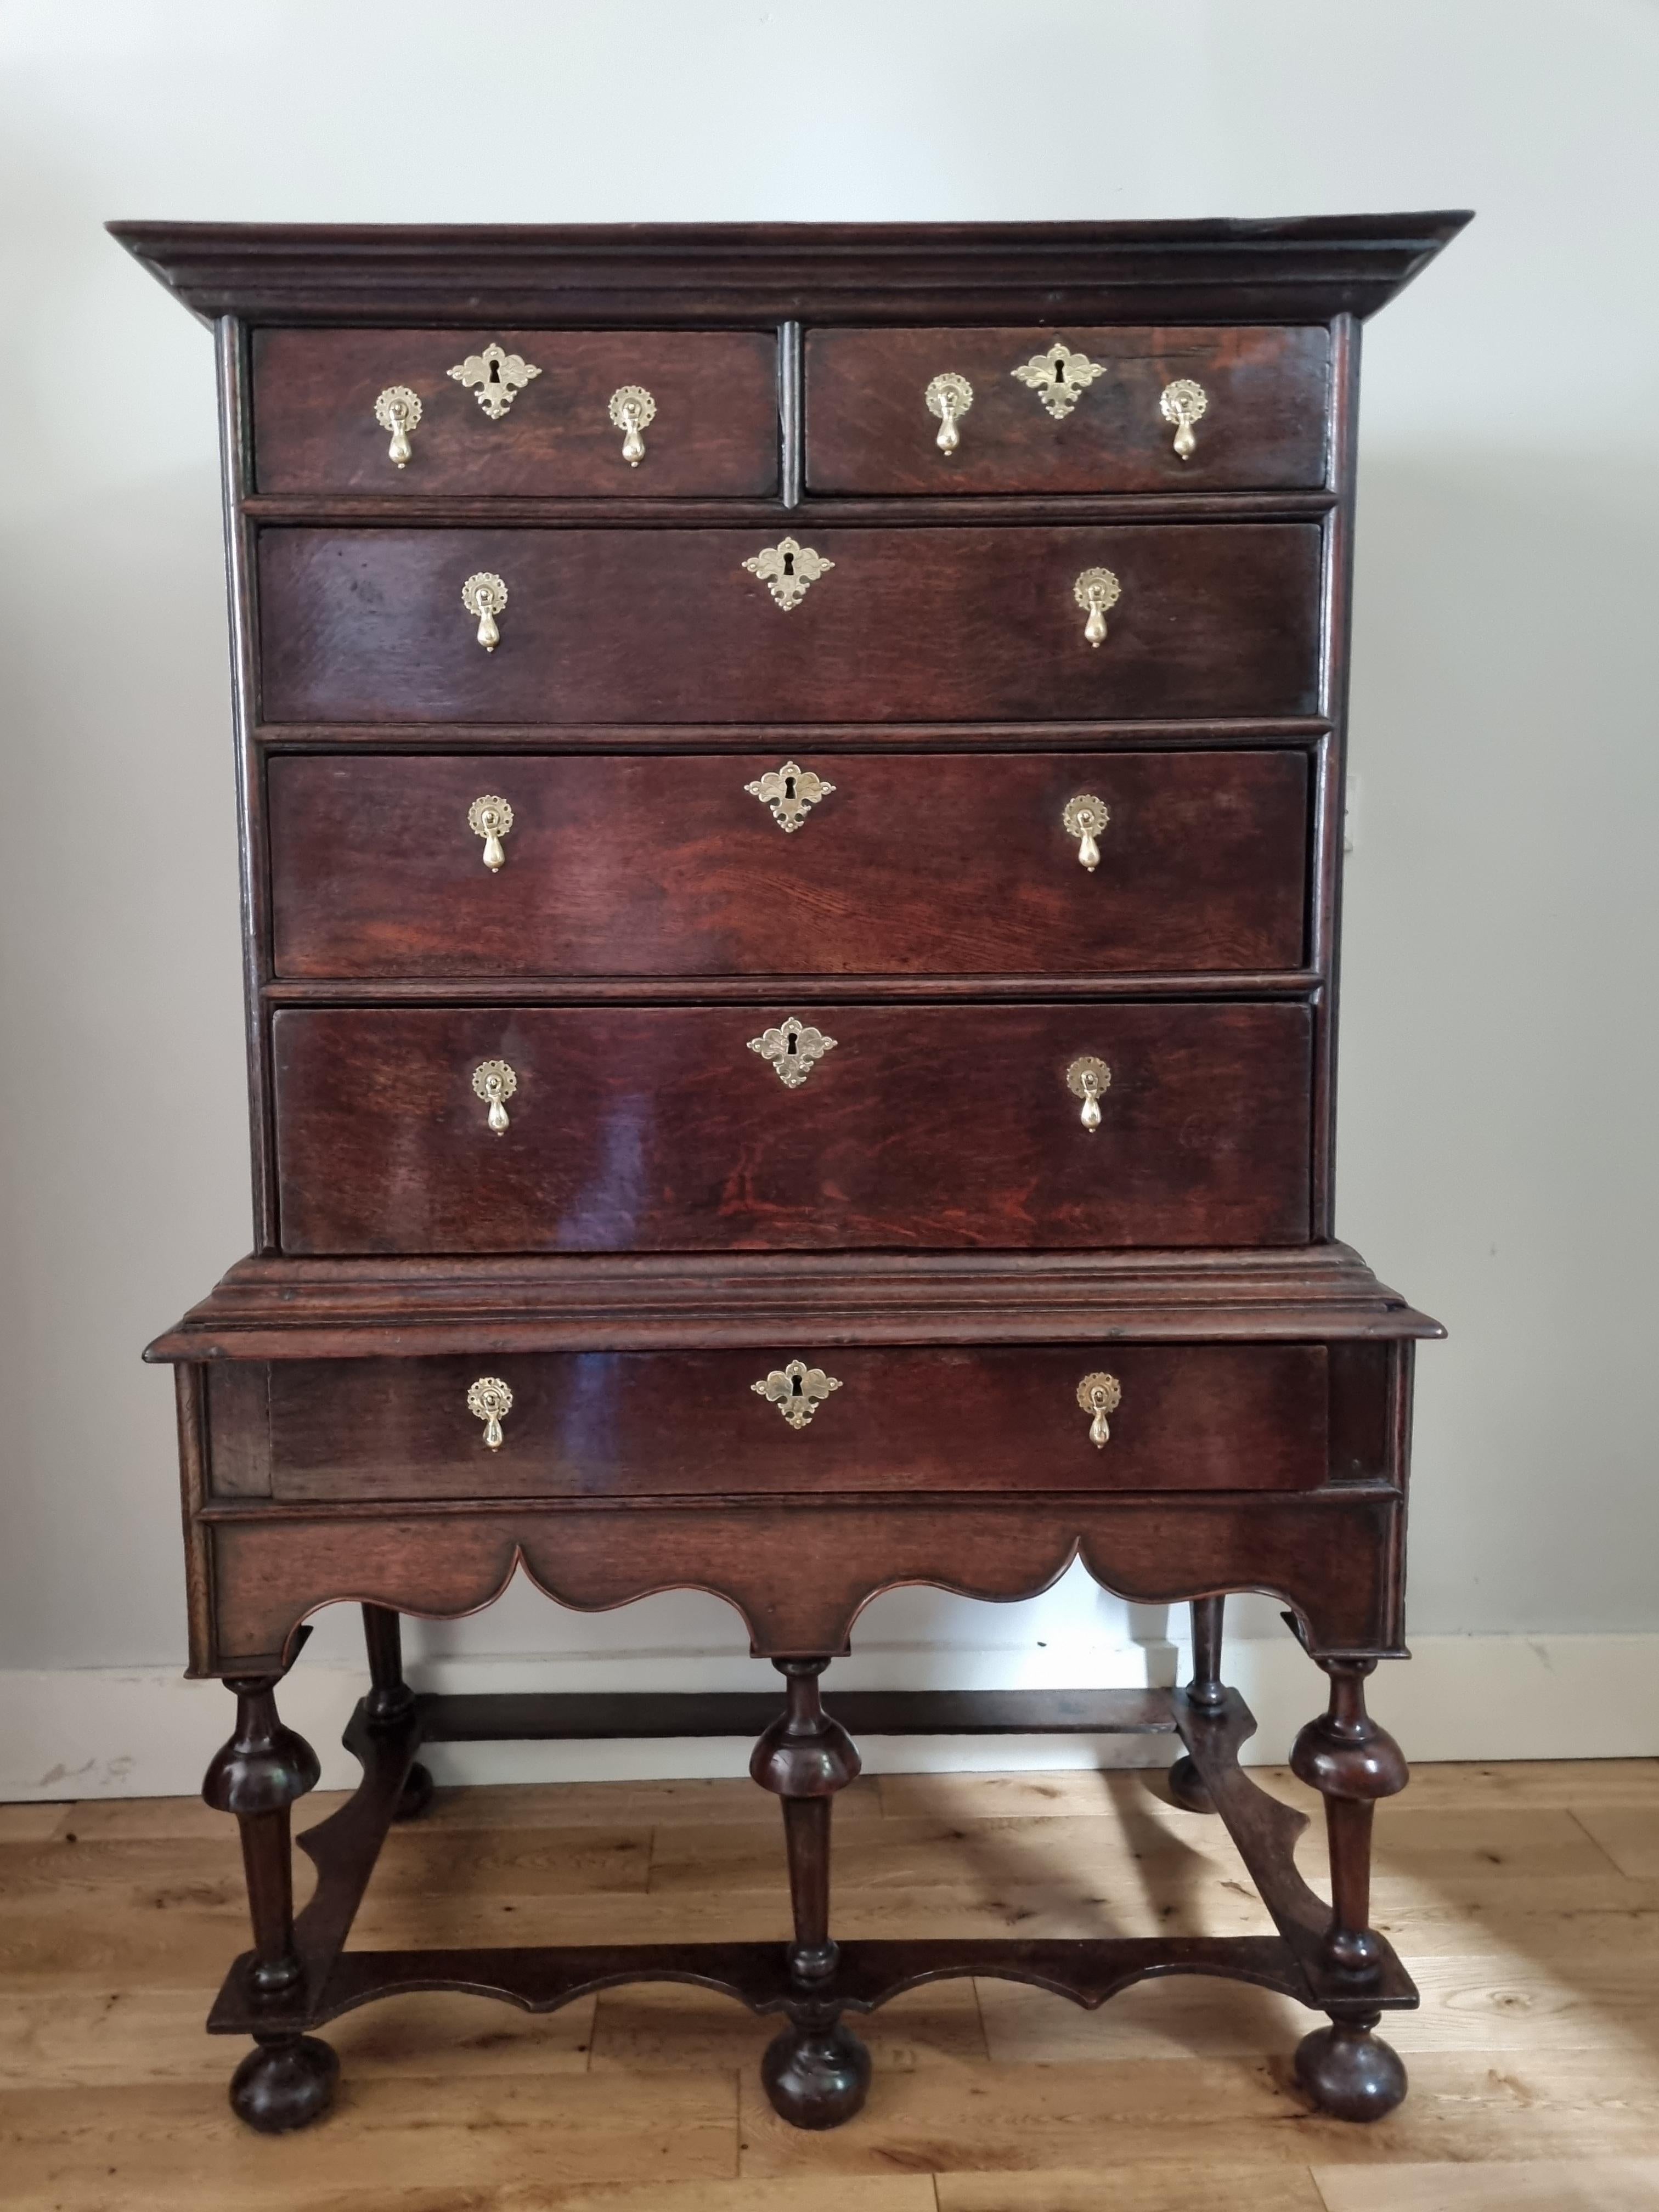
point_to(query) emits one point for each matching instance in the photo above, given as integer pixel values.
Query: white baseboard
(113, 1732)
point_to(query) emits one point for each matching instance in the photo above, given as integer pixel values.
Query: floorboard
(1525, 1899)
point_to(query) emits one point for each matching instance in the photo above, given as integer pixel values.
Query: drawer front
(1191, 1417)
(713, 427)
(870, 427)
(659, 1129)
(908, 625)
(912, 864)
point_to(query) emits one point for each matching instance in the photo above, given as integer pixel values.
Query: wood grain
(1200, 1417)
(658, 1129)
(1534, 2062)
(715, 431)
(662, 625)
(920, 864)
(868, 428)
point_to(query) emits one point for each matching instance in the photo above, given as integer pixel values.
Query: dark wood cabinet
(791, 789)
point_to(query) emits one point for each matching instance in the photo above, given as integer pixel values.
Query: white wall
(1498, 1061)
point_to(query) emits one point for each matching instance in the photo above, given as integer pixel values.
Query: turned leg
(390, 1702)
(288, 2079)
(1352, 1762)
(815, 2070)
(1206, 1691)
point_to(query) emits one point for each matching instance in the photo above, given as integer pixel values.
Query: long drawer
(734, 1128)
(1141, 410)
(940, 864)
(669, 625)
(533, 411)
(595, 1424)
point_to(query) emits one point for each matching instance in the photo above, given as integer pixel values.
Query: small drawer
(1077, 410)
(811, 863)
(792, 1128)
(1147, 621)
(823, 1423)
(332, 412)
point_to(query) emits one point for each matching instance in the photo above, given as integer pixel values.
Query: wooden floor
(1524, 1898)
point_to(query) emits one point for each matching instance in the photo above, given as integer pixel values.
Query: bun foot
(1187, 1787)
(285, 2083)
(1348, 2073)
(418, 1791)
(815, 2078)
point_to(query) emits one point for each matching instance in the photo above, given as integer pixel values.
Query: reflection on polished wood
(1535, 2058)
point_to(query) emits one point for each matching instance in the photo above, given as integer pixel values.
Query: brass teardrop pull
(483, 595)
(490, 817)
(949, 397)
(632, 410)
(489, 1401)
(1096, 590)
(1099, 1395)
(1084, 818)
(494, 1083)
(398, 410)
(1184, 403)
(1088, 1078)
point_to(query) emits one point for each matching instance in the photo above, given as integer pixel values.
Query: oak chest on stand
(791, 796)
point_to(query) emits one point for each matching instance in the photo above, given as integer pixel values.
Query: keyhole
(791, 1041)
(789, 787)
(495, 372)
(789, 564)
(795, 1386)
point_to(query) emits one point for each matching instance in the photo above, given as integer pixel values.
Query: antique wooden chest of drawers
(791, 794)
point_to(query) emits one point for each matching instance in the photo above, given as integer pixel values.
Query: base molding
(144, 1732)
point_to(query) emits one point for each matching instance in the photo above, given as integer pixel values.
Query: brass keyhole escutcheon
(793, 1049)
(398, 410)
(489, 1401)
(1183, 402)
(796, 1390)
(1084, 818)
(484, 596)
(792, 792)
(1096, 590)
(494, 1082)
(1088, 1078)
(786, 569)
(949, 397)
(1099, 1395)
(490, 817)
(496, 377)
(632, 411)
(1060, 377)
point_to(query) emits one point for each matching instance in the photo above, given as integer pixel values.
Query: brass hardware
(949, 397)
(791, 792)
(1084, 818)
(793, 1049)
(796, 1390)
(490, 818)
(1060, 377)
(1096, 590)
(1087, 1079)
(494, 1083)
(484, 596)
(489, 1401)
(786, 569)
(1098, 1396)
(1183, 402)
(399, 409)
(499, 377)
(632, 410)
